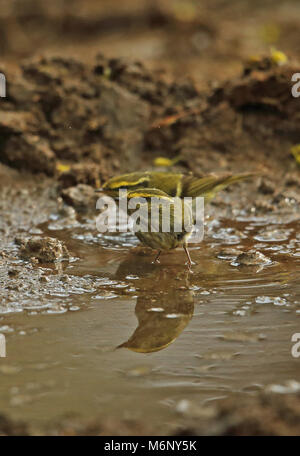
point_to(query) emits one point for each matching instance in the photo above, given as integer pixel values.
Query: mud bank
(267, 414)
(114, 116)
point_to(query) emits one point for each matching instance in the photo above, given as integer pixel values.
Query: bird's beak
(99, 190)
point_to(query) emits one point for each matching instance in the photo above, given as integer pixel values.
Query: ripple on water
(276, 300)
(111, 241)
(290, 386)
(218, 354)
(273, 234)
(229, 236)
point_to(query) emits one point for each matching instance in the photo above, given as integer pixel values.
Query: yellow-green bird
(173, 184)
(167, 186)
(180, 222)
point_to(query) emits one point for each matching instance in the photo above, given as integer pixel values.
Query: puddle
(117, 336)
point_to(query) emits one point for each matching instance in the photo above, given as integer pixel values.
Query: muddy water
(140, 338)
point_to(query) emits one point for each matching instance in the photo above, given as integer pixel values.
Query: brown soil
(81, 123)
(266, 414)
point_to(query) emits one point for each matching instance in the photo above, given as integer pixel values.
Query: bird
(163, 186)
(173, 184)
(180, 222)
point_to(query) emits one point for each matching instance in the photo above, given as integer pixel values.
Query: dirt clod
(43, 249)
(8, 427)
(82, 197)
(81, 173)
(252, 259)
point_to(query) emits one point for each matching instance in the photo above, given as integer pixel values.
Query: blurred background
(205, 39)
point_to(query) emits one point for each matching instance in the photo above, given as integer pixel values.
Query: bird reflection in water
(164, 307)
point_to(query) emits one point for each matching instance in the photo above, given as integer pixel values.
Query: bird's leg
(157, 257)
(189, 262)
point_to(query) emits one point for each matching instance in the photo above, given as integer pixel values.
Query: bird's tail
(209, 186)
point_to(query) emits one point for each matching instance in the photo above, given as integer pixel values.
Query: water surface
(130, 339)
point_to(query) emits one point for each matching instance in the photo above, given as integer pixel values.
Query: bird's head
(130, 182)
(149, 193)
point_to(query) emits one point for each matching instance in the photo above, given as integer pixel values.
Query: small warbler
(162, 186)
(173, 184)
(180, 223)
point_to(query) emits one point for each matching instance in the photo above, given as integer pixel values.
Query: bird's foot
(189, 266)
(156, 260)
